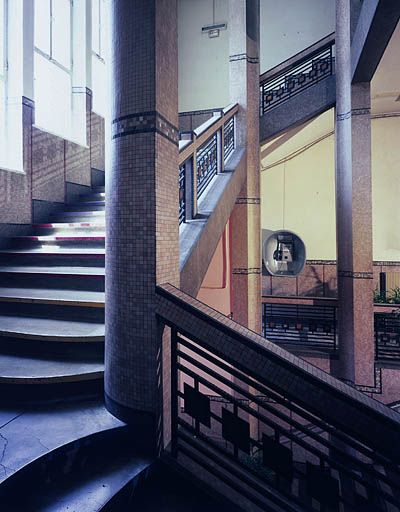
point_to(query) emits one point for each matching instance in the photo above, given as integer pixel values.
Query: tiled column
(244, 74)
(141, 208)
(353, 214)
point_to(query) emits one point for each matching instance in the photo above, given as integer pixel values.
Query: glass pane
(96, 26)
(53, 102)
(61, 32)
(42, 25)
(2, 32)
(99, 85)
(103, 28)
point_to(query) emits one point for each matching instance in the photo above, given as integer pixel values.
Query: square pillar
(353, 214)
(142, 245)
(244, 75)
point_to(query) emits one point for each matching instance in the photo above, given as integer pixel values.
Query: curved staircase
(52, 306)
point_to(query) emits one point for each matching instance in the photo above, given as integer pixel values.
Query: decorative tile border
(355, 275)
(247, 200)
(246, 271)
(344, 116)
(145, 122)
(244, 56)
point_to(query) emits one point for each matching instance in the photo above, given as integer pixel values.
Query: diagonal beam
(376, 24)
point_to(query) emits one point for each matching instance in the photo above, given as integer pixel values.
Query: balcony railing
(387, 336)
(297, 74)
(304, 327)
(301, 326)
(202, 156)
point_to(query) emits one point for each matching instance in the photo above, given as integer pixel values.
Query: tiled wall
(318, 279)
(50, 162)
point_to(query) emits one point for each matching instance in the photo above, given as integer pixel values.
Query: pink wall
(215, 290)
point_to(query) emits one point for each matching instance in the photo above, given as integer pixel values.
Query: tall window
(99, 56)
(3, 63)
(53, 65)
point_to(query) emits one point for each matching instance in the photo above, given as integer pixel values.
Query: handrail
(202, 155)
(297, 74)
(205, 131)
(346, 436)
(299, 57)
(329, 388)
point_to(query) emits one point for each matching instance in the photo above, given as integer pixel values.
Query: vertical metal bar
(382, 285)
(235, 448)
(174, 392)
(220, 150)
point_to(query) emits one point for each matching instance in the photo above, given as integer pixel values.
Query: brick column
(353, 214)
(244, 74)
(141, 208)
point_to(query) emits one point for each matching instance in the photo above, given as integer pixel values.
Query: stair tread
(63, 270)
(22, 369)
(44, 294)
(60, 237)
(25, 433)
(55, 251)
(68, 225)
(91, 491)
(48, 327)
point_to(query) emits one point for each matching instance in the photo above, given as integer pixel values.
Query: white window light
(53, 66)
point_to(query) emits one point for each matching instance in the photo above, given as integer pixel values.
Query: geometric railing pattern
(252, 432)
(202, 156)
(313, 65)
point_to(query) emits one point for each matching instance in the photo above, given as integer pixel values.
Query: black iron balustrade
(207, 163)
(229, 138)
(300, 326)
(253, 437)
(387, 336)
(201, 157)
(182, 202)
(312, 67)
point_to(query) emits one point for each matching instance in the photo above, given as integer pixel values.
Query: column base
(142, 424)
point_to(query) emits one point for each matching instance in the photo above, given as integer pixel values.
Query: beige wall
(203, 62)
(298, 187)
(287, 26)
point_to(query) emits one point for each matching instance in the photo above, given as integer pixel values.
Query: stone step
(50, 329)
(66, 226)
(86, 206)
(54, 256)
(78, 216)
(55, 242)
(97, 196)
(52, 296)
(24, 370)
(74, 277)
(30, 433)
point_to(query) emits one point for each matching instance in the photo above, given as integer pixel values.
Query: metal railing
(182, 176)
(314, 327)
(229, 138)
(297, 74)
(270, 426)
(300, 326)
(203, 154)
(387, 336)
(207, 163)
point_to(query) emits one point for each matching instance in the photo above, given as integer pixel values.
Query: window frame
(49, 56)
(4, 67)
(99, 30)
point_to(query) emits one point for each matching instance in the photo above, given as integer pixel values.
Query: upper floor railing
(297, 73)
(276, 430)
(203, 153)
(304, 327)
